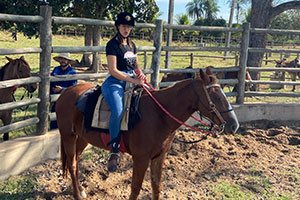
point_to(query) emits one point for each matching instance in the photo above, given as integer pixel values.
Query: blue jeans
(113, 92)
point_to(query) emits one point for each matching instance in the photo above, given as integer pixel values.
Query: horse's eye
(217, 97)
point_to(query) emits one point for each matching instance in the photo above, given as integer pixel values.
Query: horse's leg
(70, 151)
(140, 166)
(293, 77)
(80, 146)
(156, 171)
(6, 121)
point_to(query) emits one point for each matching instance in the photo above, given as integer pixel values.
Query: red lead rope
(174, 118)
(170, 115)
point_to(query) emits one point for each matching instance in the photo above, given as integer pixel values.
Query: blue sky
(179, 8)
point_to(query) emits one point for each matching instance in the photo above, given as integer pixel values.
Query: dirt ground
(261, 160)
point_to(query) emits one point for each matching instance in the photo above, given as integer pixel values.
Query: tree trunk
(260, 18)
(87, 59)
(262, 14)
(228, 36)
(97, 42)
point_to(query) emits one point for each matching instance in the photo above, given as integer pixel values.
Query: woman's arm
(112, 68)
(140, 73)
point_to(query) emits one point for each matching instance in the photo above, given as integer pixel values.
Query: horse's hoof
(83, 194)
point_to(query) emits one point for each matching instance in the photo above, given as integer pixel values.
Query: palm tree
(210, 9)
(182, 19)
(194, 9)
(238, 4)
(202, 8)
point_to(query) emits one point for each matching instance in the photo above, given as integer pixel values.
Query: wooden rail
(45, 19)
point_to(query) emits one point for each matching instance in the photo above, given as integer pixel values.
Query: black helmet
(124, 18)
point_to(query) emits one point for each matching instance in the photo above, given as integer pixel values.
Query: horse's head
(280, 63)
(19, 68)
(213, 102)
(297, 62)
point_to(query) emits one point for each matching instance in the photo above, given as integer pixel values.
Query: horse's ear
(22, 58)
(209, 71)
(202, 75)
(9, 59)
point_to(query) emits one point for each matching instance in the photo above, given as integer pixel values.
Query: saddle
(97, 113)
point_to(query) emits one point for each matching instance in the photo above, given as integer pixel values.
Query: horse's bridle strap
(212, 85)
(212, 106)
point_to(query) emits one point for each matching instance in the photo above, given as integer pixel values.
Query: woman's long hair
(120, 38)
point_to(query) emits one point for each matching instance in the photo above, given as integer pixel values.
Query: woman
(122, 62)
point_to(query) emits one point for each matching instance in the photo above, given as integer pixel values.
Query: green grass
(255, 186)
(176, 62)
(16, 188)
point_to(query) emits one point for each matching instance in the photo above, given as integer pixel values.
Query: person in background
(14, 35)
(64, 68)
(122, 60)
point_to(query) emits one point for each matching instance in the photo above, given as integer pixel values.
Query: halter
(212, 107)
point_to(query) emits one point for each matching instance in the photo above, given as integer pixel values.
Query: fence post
(236, 60)
(192, 60)
(145, 59)
(45, 61)
(170, 34)
(243, 63)
(156, 55)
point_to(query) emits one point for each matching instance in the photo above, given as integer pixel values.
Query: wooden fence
(46, 19)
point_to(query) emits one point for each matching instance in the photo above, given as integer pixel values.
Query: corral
(40, 145)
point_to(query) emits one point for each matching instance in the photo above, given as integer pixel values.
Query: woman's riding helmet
(124, 18)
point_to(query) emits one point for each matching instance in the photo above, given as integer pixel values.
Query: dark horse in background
(14, 69)
(151, 139)
(171, 77)
(289, 64)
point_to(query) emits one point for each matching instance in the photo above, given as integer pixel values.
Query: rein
(177, 120)
(173, 117)
(28, 94)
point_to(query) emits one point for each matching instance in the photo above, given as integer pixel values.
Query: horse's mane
(2, 71)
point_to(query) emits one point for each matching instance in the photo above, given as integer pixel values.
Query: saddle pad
(102, 112)
(106, 138)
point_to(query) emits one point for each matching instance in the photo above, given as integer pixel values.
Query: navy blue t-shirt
(64, 84)
(126, 57)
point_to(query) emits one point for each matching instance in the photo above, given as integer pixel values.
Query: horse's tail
(63, 158)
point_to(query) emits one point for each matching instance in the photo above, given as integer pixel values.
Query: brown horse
(171, 77)
(151, 139)
(289, 64)
(233, 75)
(14, 69)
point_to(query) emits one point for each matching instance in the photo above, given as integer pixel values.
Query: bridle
(212, 107)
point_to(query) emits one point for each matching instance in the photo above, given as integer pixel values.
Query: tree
(210, 9)
(239, 8)
(194, 9)
(263, 13)
(228, 36)
(202, 8)
(29, 7)
(143, 10)
(182, 19)
(207, 22)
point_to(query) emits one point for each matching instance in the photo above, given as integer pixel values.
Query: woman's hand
(138, 81)
(141, 76)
